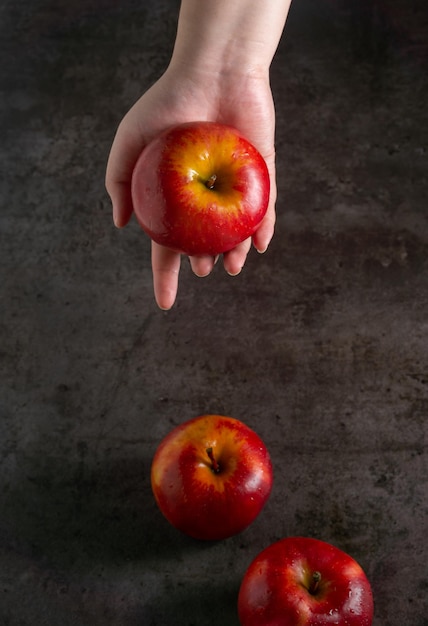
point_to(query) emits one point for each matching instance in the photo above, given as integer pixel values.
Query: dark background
(320, 345)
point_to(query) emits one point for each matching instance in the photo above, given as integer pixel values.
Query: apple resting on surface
(200, 188)
(211, 476)
(301, 581)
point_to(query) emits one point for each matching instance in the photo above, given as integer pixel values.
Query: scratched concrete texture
(320, 344)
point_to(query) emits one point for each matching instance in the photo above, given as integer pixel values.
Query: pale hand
(242, 101)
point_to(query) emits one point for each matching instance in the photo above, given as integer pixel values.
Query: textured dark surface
(320, 345)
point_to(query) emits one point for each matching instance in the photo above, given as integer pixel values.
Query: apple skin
(275, 590)
(195, 498)
(200, 188)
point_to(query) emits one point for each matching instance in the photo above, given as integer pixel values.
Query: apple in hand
(299, 581)
(200, 188)
(211, 476)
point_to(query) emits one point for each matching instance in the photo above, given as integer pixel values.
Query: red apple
(300, 581)
(200, 188)
(211, 476)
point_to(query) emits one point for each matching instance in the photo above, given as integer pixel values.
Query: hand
(219, 72)
(242, 101)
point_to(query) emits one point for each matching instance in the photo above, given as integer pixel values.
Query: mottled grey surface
(320, 344)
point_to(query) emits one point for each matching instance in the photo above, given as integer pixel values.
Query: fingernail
(235, 273)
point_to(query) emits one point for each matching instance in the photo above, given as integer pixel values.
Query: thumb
(123, 155)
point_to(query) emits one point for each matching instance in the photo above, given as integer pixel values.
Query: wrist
(229, 38)
(209, 63)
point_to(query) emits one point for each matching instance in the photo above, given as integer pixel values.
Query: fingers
(234, 259)
(166, 267)
(202, 265)
(263, 235)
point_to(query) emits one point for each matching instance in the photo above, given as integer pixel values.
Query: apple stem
(211, 181)
(214, 465)
(315, 583)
